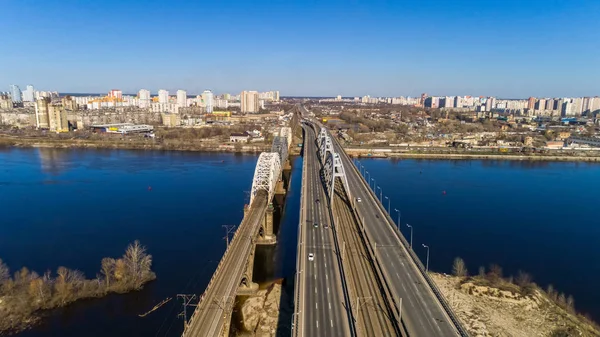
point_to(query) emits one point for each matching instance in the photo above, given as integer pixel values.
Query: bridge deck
(212, 315)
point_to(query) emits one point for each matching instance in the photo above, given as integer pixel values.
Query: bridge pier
(267, 237)
(247, 287)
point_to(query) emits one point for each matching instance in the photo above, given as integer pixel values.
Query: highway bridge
(383, 282)
(356, 275)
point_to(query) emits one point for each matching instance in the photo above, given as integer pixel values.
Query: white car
(311, 257)
(358, 199)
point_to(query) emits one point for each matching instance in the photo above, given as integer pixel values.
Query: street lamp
(388, 199)
(380, 193)
(368, 176)
(427, 265)
(398, 222)
(411, 229)
(374, 184)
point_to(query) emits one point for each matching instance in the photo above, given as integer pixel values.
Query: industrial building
(122, 128)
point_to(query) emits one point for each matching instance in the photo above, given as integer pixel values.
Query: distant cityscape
(250, 116)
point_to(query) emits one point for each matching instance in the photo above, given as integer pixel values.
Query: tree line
(25, 292)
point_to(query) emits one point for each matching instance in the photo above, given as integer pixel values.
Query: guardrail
(299, 284)
(461, 330)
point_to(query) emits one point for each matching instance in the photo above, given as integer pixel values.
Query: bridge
(234, 272)
(356, 274)
(382, 284)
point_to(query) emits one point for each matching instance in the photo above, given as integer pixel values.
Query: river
(74, 207)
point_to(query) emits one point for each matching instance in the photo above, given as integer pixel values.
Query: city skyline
(307, 49)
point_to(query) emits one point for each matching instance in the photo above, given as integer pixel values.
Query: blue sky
(503, 48)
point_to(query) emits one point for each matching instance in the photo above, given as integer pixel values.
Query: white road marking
(317, 324)
(329, 305)
(331, 321)
(327, 290)
(317, 305)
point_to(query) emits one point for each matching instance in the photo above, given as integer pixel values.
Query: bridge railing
(299, 284)
(399, 236)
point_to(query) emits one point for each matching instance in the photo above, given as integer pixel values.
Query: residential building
(41, 113)
(181, 98)
(163, 96)
(15, 94)
(144, 98)
(57, 118)
(249, 101)
(115, 93)
(531, 104)
(207, 98)
(5, 101)
(29, 94)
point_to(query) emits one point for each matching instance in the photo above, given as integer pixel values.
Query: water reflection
(53, 161)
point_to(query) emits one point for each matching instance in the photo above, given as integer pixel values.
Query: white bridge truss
(266, 174)
(333, 166)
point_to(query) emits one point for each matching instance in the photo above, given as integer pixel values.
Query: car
(358, 200)
(311, 257)
(326, 226)
(317, 201)
(316, 225)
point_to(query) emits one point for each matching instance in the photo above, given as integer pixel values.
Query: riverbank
(132, 144)
(265, 314)
(509, 310)
(24, 296)
(372, 153)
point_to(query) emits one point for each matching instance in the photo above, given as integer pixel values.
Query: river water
(74, 207)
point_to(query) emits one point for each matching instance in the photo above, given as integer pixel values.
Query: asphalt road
(422, 313)
(322, 307)
(372, 314)
(213, 311)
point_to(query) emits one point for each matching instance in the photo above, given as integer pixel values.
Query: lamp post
(388, 199)
(368, 175)
(427, 265)
(398, 222)
(380, 193)
(411, 231)
(374, 184)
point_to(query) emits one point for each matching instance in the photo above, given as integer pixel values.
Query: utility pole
(187, 299)
(228, 230)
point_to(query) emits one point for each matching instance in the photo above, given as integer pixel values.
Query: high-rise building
(144, 94)
(15, 94)
(163, 96)
(249, 101)
(531, 103)
(57, 118)
(181, 98)
(144, 98)
(207, 98)
(540, 105)
(29, 94)
(550, 104)
(276, 95)
(115, 93)
(41, 113)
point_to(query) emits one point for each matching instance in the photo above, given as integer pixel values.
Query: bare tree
(4, 272)
(523, 279)
(482, 271)
(138, 262)
(571, 303)
(459, 268)
(562, 300)
(108, 269)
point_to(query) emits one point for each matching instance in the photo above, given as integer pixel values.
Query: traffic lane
(333, 304)
(320, 275)
(413, 298)
(328, 310)
(428, 306)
